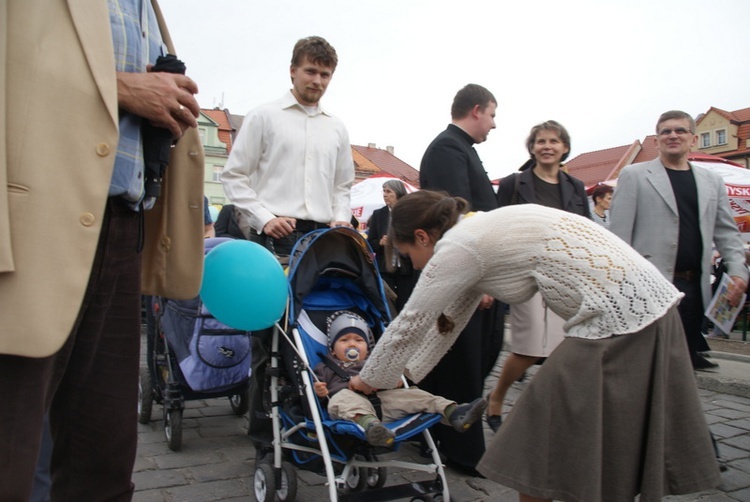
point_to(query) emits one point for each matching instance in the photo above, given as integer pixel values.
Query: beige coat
(58, 138)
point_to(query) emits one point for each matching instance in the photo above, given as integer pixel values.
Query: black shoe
(700, 363)
(465, 415)
(494, 421)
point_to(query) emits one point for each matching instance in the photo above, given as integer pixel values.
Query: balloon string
(299, 354)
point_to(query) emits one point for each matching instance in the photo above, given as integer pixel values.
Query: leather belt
(688, 275)
(305, 226)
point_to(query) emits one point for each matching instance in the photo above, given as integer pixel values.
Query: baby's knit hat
(342, 322)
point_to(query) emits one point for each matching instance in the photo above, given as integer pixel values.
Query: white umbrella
(367, 196)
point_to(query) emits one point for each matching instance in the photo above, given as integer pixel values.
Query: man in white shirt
(290, 172)
(291, 168)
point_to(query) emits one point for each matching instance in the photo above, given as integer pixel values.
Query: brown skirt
(607, 419)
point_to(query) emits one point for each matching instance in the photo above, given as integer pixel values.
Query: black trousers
(691, 313)
(90, 386)
(460, 376)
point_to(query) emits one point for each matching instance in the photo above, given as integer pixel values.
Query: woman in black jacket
(535, 330)
(399, 275)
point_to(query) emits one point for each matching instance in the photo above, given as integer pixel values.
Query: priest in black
(452, 165)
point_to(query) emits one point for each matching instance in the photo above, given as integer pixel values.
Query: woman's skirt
(607, 419)
(534, 329)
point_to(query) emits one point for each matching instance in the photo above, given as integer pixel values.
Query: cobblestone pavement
(217, 457)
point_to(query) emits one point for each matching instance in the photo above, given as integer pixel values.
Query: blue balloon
(244, 285)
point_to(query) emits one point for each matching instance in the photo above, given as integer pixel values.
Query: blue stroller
(190, 356)
(331, 270)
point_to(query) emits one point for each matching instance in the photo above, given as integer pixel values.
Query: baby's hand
(321, 389)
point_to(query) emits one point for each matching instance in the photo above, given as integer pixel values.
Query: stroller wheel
(240, 403)
(173, 428)
(264, 483)
(376, 477)
(288, 489)
(356, 481)
(145, 397)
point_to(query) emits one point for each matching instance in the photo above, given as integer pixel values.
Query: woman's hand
(356, 383)
(485, 302)
(321, 389)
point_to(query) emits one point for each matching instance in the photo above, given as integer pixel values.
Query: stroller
(331, 270)
(190, 356)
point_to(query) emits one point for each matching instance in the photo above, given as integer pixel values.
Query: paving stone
(729, 453)
(726, 431)
(149, 496)
(198, 456)
(207, 492)
(742, 464)
(730, 413)
(159, 478)
(733, 480)
(743, 423)
(223, 470)
(741, 495)
(734, 405)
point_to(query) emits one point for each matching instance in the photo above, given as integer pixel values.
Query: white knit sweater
(586, 274)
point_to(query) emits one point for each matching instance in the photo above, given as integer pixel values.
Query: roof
(594, 167)
(386, 162)
(362, 163)
(221, 117)
(648, 150)
(736, 116)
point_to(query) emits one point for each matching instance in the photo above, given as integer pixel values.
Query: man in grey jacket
(671, 212)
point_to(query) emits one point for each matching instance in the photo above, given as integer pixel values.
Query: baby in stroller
(349, 341)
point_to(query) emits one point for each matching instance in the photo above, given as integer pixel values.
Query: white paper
(719, 311)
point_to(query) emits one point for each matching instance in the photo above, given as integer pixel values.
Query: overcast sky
(605, 69)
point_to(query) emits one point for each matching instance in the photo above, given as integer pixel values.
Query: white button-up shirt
(288, 161)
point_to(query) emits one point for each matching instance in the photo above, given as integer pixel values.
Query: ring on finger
(181, 108)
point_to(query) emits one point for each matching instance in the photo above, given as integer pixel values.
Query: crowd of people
(613, 409)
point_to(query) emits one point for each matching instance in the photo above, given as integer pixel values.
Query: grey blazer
(644, 214)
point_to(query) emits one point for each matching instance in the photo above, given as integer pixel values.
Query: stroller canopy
(330, 253)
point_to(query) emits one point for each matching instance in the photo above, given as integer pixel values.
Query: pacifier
(352, 353)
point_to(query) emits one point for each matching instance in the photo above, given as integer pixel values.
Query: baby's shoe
(465, 415)
(378, 434)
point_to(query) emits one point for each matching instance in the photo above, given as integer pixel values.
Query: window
(721, 137)
(217, 173)
(202, 134)
(705, 139)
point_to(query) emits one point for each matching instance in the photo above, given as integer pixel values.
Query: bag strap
(336, 369)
